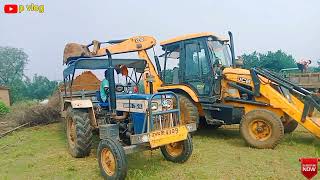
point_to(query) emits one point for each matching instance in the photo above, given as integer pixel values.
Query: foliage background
(271, 60)
(3, 109)
(12, 66)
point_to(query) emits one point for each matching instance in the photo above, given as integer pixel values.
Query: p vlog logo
(15, 8)
(10, 8)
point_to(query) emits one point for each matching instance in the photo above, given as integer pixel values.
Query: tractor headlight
(167, 103)
(154, 106)
(144, 138)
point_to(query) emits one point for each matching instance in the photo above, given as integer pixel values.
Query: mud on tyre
(261, 129)
(178, 152)
(112, 159)
(188, 111)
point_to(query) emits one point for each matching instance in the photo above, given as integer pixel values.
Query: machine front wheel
(261, 129)
(178, 152)
(112, 159)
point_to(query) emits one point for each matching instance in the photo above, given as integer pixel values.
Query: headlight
(154, 106)
(166, 103)
(144, 138)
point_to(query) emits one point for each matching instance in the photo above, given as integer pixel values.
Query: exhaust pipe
(232, 49)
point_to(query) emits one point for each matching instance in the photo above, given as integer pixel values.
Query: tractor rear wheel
(188, 111)
(290, 126)
(112, 159)
(261, 129)
(178, 152)
(79, 132)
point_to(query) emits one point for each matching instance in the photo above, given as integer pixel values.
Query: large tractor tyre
(79, 132)
(290, 126)
(112, 160)
(188, 111)
(178, 152)
(261, 129)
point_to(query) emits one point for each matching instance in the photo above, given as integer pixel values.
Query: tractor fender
(81, 104)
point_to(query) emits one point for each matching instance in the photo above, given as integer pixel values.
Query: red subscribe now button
(10, 8)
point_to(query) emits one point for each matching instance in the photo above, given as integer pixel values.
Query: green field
(40, 153)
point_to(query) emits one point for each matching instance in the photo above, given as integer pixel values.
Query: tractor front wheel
(178, 152)
(112, 159)
(261, 129)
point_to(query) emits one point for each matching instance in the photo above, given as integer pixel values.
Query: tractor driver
(104, 87)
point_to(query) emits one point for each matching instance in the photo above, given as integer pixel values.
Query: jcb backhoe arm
(133, 44)
(137, 44)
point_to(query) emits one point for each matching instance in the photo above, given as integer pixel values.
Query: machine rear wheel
(261, 129)
(79, 132)
(112, 159)
(188, 111)
(178, 152)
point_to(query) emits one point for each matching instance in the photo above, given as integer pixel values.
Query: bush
(3, 109)
(34, 113)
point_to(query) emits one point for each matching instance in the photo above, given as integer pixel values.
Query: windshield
(219, 52)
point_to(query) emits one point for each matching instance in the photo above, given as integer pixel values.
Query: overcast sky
(290, 25)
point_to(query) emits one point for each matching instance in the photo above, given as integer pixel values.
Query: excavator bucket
(74, 51)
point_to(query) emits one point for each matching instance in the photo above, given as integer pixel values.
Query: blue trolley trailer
(126, 122)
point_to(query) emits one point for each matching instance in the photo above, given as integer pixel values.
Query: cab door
(197, 71)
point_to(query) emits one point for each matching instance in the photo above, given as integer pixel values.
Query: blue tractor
(126, 122)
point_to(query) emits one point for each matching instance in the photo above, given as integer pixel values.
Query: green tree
(271, 60)
(12, 64)
(39, 87)
(18, 91)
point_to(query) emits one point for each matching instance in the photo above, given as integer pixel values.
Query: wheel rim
(174, 149)
(71, 132)
(108, 162)
(260, 129)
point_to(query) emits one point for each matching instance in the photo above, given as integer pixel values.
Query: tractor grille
(163, 112)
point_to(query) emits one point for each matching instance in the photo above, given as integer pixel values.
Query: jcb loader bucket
(74, 51)
(300, 104)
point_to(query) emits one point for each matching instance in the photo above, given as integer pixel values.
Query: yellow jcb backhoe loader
(202, 69)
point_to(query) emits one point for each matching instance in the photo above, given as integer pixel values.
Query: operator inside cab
(104, 87)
